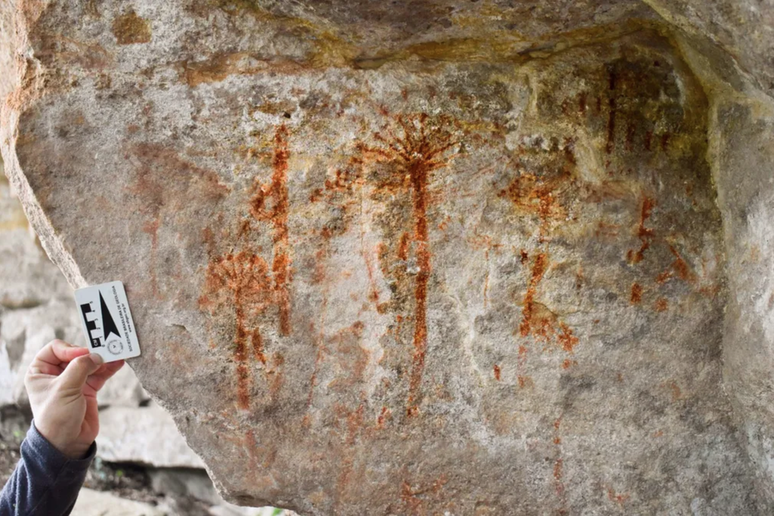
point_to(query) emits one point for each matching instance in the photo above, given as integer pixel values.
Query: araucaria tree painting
(240, 281)
(415, 146)
(243, 281)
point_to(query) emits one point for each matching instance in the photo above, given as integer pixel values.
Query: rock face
(740, 27)
(417, 260)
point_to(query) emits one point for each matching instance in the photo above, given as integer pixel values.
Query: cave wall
(740, 154)
(744, 177)
(465, 259)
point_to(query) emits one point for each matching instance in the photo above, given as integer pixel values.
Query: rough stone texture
(144, 435)
(740, 152)
(743, 146)
(743, 28)
(417, 260)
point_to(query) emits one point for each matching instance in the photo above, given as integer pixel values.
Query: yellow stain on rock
(130, 29)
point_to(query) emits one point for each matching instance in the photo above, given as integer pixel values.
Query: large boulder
(422, 259)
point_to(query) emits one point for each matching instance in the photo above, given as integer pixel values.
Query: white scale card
(107, 321)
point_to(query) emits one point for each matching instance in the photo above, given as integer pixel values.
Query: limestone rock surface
(423, 259)
(743, 28)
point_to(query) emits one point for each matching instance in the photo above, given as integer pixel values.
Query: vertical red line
(418, 171)
(611, 115)
(240, 352)
(281, 262)
(538, 269)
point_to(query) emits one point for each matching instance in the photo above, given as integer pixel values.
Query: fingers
(97, 379)
(57, 352)
(77, 372)
(44, 369)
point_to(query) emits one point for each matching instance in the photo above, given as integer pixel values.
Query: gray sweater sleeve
(45, 482)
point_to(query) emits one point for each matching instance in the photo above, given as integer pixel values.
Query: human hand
(62, 383)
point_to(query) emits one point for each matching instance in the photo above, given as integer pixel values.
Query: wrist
(71, 450)
(75, 452)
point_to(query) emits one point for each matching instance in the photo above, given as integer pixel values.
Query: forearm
(45, 482)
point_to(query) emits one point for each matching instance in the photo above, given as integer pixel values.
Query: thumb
(78, 370)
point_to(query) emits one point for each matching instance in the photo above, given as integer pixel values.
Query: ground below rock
(143, 435)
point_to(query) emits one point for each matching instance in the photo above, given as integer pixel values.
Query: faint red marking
(567, 340)
(663, 277)
(636, 296)
(403, 247)
(611, 114)
(413, 498)
(645, 234)
(486, 242)
(568, 363)
(684, 272)
(538, 269)
(157, 195)
(277, 214)
(151, 227)
(257, 344)
(648, 138)
(558, 472)
(620, 499)
(535, 194)
(579, 279)
(208, 238)
(373, 294)
(383, 416)
(321, 349)
(496, 369)
(354, 424)
(675, 390)
(662, 304)
(521, 362)
(540, 186)
(630, 133)
(251, 445)
(538, 323)
(240, 281)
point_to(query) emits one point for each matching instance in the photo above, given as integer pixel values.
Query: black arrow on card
(108, 324)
